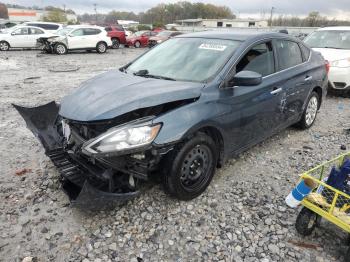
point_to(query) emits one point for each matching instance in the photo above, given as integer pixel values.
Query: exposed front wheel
(101, 47)
(115, 43)
(4, 46)
(190, 167)
(137, 44)
(310, 112)
(60, 49)
(306, 222)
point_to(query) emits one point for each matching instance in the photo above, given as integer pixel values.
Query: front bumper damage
(89, 183)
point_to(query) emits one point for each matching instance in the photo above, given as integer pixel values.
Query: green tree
(3, 11)
(57, 16)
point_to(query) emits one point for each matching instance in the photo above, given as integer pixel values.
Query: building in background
(32, 15)
(217, 23)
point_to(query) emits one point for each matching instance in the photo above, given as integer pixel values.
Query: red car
(117, 34)
(139, 38)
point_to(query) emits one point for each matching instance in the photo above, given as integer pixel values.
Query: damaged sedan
(177, 113)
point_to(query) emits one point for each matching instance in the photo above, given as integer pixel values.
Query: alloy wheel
(311, 110)
(101, 48)
(4, 46)
(60, 49)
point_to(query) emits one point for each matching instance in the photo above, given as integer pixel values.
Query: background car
(117, 34)
(21, 37)
(334, 44)
(139, 38)
(48, 26)
(161, 37)
(77, 38)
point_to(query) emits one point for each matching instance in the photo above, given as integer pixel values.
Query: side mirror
(246, 78)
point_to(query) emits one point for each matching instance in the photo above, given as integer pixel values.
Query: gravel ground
(241, 216)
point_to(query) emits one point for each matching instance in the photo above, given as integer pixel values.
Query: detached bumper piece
(88, 186)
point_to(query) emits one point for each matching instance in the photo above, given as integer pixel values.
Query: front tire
(101, 47)
(60, 49)
(306, 222)
(190, 167)
(4, 46)
(310, 112)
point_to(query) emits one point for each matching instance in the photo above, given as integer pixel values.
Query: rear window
(108, 29)
(289, 54)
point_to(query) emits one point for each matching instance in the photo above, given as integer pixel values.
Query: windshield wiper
(144, 73)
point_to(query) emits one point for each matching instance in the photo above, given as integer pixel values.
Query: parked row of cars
(55, 38)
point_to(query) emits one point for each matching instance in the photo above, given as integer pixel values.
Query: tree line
(163, 14)
(314, 19)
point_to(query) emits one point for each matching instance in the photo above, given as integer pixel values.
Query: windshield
(64, 31)
(329, 39)
(185, 59)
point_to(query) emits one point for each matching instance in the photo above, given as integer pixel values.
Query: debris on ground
(64, 69)
(23, 171)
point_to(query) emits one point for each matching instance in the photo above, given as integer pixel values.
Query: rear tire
(115, 43)
(101, 47)
(306, 222)
(4, 46)
(310, 113)
(60, 49)
(137, 44)
(190, 167)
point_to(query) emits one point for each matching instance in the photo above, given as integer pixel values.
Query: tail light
(327, 66)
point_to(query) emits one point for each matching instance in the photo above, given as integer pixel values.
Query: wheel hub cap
(311, 110)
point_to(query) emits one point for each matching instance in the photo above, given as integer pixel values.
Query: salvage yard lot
(242, 215)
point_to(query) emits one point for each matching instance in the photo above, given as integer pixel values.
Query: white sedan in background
(334, 44)
(21, 37)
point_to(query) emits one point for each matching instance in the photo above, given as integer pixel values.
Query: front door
(77, 39)
(19, 38)
(34, 34)
(256, 110)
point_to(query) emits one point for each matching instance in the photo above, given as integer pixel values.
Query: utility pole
(272, 9)
(95, 8)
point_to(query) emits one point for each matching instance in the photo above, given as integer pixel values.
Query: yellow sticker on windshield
(215, 47)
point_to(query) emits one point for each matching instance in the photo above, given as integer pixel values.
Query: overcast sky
(244, 8)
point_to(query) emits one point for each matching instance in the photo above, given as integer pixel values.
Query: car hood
(331, 54)
(114, 93)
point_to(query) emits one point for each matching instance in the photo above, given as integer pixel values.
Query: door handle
(276, 91)
(308, 78)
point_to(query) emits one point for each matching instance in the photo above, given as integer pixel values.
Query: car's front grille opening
(339, 85)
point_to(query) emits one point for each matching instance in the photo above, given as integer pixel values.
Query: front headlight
(124, 138)
(341, 63)
(159, 41)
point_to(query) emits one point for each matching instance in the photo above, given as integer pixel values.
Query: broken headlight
(124, 138)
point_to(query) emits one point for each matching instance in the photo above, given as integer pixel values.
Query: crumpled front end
(89, 183)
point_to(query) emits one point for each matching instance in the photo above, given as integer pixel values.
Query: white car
(21, 37)
(334, 44)
(77, 38)
(47, 26)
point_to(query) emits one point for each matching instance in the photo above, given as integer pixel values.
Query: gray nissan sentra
(177, 112)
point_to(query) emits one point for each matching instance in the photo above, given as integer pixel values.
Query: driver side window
(78, 32)
(21, 31)
(259, 59)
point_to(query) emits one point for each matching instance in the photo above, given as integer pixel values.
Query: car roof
(26, 26)
(235, 35)
(84, 26)
(335, 28)
(40, 23)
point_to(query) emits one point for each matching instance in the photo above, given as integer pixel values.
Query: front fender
(186, 120)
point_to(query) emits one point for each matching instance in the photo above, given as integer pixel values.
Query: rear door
(297, 79)
(91, 37)
(256, 109)
(34, 34)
